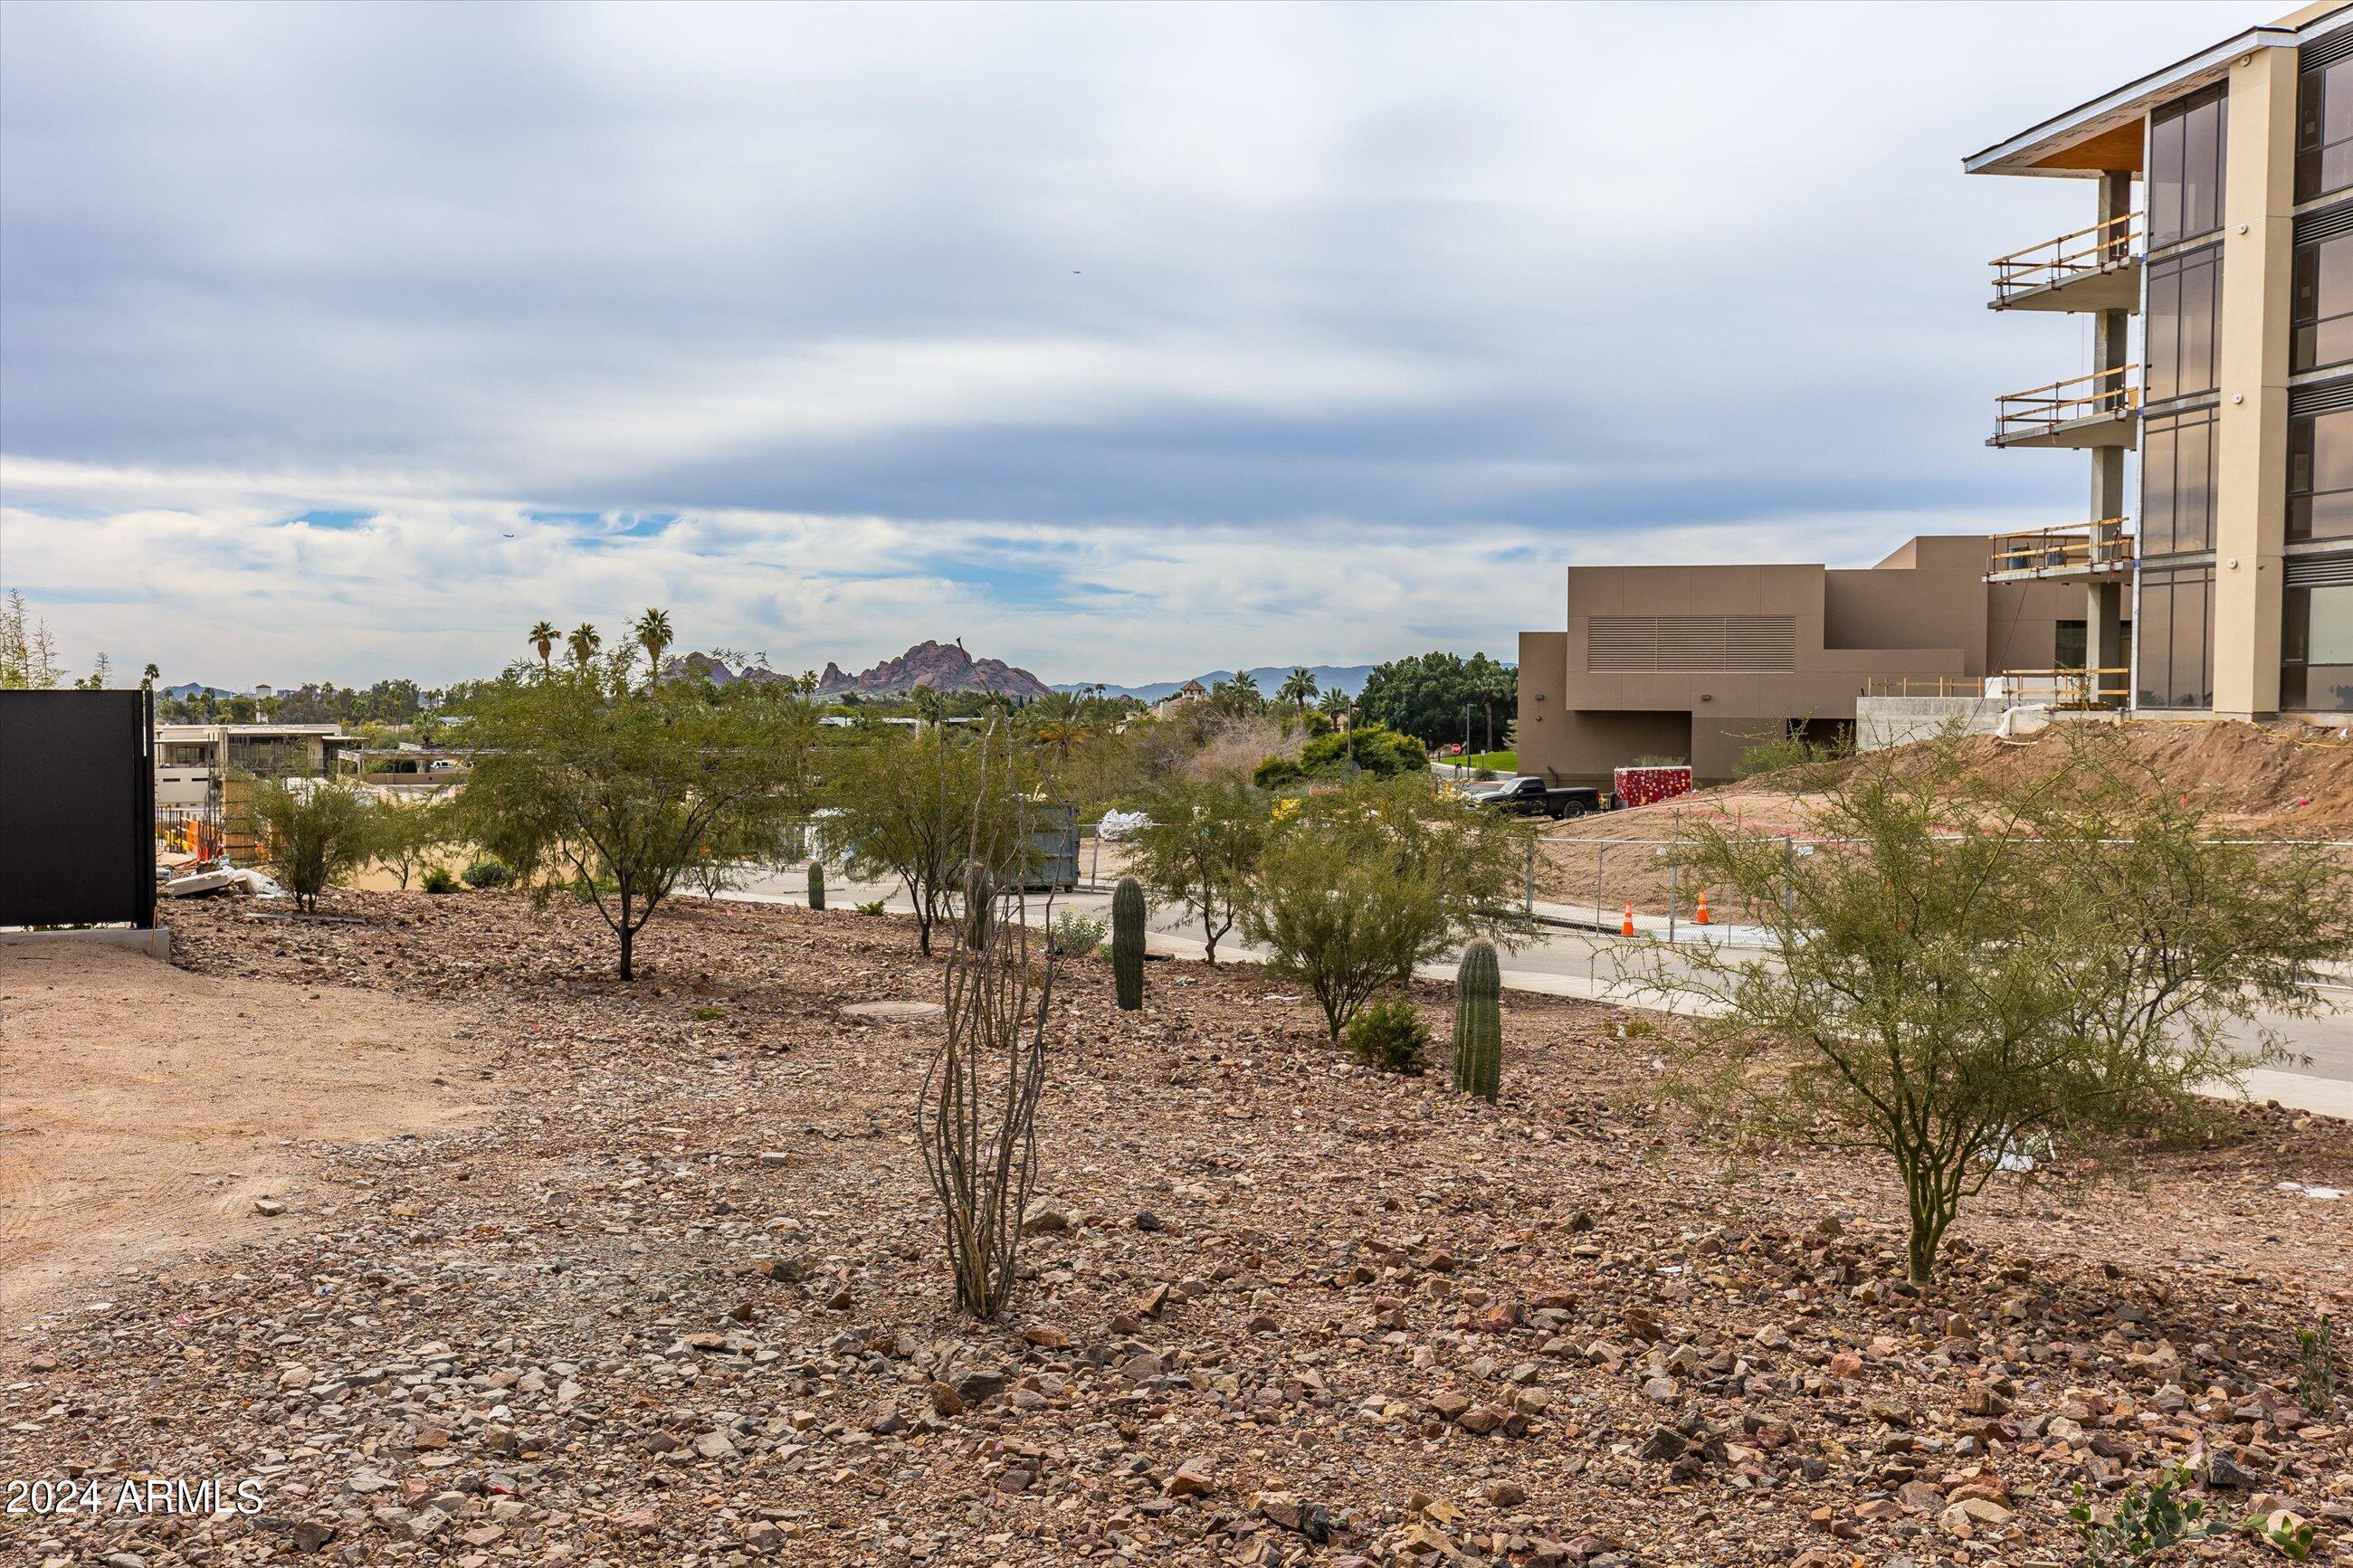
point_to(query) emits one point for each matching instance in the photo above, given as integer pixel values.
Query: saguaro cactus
(979, 890)
(1479, 1022)
(817, 884)
(1127, 942)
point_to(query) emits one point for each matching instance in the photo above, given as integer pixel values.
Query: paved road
(1570, 961)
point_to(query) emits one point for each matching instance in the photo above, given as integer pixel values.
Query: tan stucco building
(2222, 218)
(2212, 575)
(1703, 662)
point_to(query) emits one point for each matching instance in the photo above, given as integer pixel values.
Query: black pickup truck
(1528, 795)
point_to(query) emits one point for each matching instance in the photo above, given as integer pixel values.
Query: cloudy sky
(1123, 341)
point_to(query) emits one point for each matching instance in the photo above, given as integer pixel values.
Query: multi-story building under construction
(2222, 216)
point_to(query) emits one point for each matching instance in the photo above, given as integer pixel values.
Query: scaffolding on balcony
(2103, 687)
(2090, 410)
(2083, 550)
(2095, 268)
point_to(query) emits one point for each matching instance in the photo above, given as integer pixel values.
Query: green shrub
(1795, 761)
(1358, 885)
(488, 871)
(437, 880)
(2150, 1520)
(1389, 1037)
(1378, 753)
(1076, 935)
(2316, 1349)
(310, 832)
(871, 907)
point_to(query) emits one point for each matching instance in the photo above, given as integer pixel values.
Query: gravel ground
(675, 1298)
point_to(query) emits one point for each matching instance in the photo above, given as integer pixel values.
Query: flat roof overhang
(2104, 135)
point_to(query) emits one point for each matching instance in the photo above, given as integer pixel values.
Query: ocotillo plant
(1127, 942)
(977, 1117)
(1479, 1022)
(817, 884)
(979, 889)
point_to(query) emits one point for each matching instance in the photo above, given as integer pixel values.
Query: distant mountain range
(941, 667)
(1344, 677)
(191, 688)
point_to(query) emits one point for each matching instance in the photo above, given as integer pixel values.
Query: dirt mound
(2282, 780)
(2288, 781)
(2272, 781)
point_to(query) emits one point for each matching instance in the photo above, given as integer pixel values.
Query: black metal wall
(77, 808)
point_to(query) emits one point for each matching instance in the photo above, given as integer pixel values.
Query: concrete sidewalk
(1576, 959)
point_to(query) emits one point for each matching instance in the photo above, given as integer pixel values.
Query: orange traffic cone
(1701, 917)
(1626, 927)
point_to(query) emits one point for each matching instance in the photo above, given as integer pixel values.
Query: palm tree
(653, 635)
(1058, 722)
(1335, 705)
(542, 636)
(150, 676)
(583, 643)
(1299, 687)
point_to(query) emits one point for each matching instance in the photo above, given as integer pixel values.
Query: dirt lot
(677, 1300)
(145, 1108)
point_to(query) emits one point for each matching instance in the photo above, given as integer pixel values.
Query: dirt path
(144, 1108)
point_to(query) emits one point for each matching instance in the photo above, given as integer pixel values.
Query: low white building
(192, 761)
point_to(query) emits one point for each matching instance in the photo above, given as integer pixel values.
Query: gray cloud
(1299, 283)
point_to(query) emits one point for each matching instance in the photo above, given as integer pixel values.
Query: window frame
(2164, 336)
(2174, 216)
(2164, 433)
(2312, 144)
(2302, 499)
(2300, 358)
(2295, 651)
(2167, 584)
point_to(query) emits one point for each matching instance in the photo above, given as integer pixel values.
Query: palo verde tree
(616, 790)
(308, 831)
(1200, 846)
(1977, 962)
(411, 836)
(1357, 885)
(905, 805)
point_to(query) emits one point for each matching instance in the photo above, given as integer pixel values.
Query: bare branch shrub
(976, 1118)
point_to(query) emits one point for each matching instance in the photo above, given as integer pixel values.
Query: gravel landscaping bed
(675, 1298)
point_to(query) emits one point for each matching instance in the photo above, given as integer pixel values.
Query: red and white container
(1647, 786)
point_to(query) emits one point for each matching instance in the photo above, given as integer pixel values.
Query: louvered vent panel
(1760, 644)
(1693, 644)
(2326, 224)
(2324, 49)
(2319, 571)
(2326, 397)
(1621, 644)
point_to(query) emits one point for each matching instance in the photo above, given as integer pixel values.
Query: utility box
(1054, 857)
